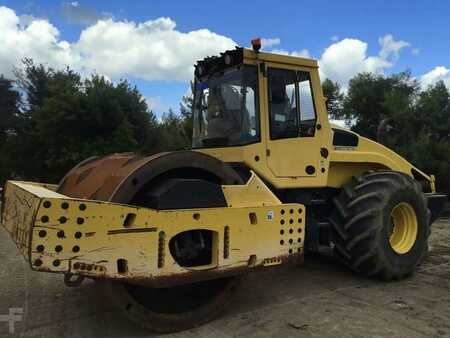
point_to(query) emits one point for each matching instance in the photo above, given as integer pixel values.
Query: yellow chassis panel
(107, 240)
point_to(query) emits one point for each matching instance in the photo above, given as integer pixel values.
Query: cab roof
(249, 54)
(241, 55)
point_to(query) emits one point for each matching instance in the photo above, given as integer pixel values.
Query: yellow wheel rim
(404, 232)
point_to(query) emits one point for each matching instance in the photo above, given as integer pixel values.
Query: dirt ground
(319, 299)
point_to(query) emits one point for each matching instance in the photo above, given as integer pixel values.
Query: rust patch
(118, 177)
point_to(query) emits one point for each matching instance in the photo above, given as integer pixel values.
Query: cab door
(293, 144)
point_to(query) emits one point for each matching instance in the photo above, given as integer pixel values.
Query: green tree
(9, 112)
(9, 107)
(430, 146)
(335, 98)
(69, 119)
(33, 80)
(372, 98)
(173, 132)
(186, 113)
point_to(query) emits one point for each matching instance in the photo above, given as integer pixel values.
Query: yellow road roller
(168, 236)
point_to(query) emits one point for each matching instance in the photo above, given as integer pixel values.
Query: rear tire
(380, 225)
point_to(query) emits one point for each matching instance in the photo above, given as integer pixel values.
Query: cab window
(226, 108)
(282, 103)
(306, 103)
(291, 104)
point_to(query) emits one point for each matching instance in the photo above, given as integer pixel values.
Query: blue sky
(346, 37)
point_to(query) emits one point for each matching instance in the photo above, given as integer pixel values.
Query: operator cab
(268, 106)
(227, 100)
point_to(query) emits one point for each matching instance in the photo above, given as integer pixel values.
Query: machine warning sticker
(270, 215)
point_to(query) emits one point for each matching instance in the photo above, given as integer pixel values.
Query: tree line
(52, 119)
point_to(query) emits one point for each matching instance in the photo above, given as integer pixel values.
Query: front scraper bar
(99, 239)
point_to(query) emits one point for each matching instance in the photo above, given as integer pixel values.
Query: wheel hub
(405, 228)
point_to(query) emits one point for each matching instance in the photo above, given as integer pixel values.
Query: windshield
(226, 109)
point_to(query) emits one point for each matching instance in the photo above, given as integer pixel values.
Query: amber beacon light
(256, 44)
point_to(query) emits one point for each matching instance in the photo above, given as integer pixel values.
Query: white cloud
(152, 50)
(270, 42)
(156, 50)
(344, 59)
(390, 48)
(75, 13)
(25, 20)
(304, 53)
(35, 38)
(156, 104)
(439, 73)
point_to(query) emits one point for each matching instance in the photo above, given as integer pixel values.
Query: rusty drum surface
(118, 177)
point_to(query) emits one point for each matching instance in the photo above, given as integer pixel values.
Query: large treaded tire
(361, 222)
